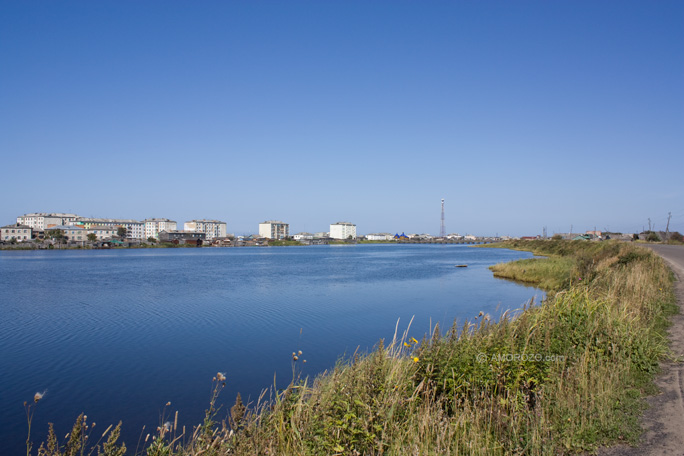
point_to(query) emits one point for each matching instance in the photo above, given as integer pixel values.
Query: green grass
(561, 377)
(550, 274)
(283, 242)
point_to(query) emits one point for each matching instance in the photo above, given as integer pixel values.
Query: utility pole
(667, 228)
(649, 224)
(442, 228)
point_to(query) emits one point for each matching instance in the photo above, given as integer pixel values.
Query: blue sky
(520, 114)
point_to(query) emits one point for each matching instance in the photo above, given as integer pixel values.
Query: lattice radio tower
(442, 229)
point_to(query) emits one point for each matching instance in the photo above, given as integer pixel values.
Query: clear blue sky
(521, 114)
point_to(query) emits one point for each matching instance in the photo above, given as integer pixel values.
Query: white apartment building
(134, 228)
(212, 228)
(274, 229)
(155, 226)
(343, 230)
(18, 232)
(46, 220)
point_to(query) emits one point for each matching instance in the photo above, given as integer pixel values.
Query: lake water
(116, 334)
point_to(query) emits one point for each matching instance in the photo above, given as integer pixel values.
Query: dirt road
(663, 422)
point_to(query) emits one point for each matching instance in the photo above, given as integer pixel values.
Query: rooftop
(66, 227)
(48, 214)
(105, 220)
(17, 225)
(205, 221)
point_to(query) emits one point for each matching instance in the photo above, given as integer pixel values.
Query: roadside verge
(663, 421)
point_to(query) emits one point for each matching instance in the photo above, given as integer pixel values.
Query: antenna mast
(442, 229)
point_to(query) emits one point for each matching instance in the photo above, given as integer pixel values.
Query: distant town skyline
(95, 220)
(521, 115)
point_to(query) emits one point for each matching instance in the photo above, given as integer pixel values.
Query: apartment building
(343, 230)
(103, 232)
(182, 236)
(72, 232)
(46, 220)
(154, 226)
(18, 232)
(274, 229)
(212, 228)
(134, 228)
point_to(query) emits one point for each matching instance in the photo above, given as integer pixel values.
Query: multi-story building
(134, 228)
(274, 229)
(182, 236)
(103, 232)
(155, 226)
(72, 232)
(343, 230)
(18, 232)
(46, 220)
(212, 228)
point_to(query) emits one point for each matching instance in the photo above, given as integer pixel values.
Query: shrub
(652, 237)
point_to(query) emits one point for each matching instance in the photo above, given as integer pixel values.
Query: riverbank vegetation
(561, 377)
(284, 242)
(550, 274)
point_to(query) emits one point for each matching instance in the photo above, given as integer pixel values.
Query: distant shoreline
(28, 246)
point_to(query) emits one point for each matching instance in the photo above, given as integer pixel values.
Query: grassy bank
(561, 377)
(550, 274)
(283, 242)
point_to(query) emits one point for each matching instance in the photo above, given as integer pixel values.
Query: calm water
(117, 334)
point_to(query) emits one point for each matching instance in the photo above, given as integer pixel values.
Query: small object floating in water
(461, 266)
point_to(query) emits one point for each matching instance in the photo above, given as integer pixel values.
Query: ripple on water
(119, 333)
